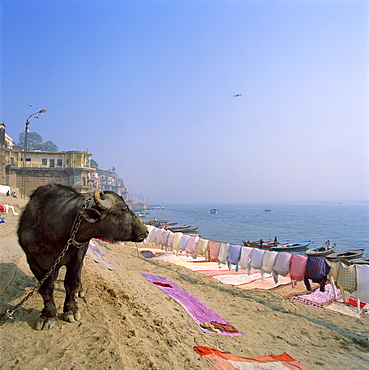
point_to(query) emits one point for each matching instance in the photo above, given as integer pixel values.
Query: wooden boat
(347, 255)
(175, 228)
(271, 244)
(292, 247)
(319, 251)
(361, 261)
(255, 243)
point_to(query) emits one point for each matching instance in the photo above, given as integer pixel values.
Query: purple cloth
(234, 256)
(317, 270)
(193, 306)
(98, 256)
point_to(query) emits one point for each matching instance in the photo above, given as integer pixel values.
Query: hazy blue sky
(147, 86)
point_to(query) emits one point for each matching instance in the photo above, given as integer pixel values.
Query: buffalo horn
(100, 200)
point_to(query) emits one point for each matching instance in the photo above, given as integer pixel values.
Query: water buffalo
(46, 227)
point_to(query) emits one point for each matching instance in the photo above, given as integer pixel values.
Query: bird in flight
(237, 95)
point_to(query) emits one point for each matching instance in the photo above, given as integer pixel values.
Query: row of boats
(172, 226)
(283, 245)
(352, 255)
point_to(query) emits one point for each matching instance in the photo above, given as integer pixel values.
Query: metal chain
(9, 312)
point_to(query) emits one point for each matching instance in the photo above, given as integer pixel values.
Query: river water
(347, 225)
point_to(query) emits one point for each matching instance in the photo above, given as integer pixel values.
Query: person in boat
(327, 245)
(261, 243)
(275, 241)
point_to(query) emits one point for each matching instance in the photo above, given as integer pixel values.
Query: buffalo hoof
(45, 323)
(71, 316)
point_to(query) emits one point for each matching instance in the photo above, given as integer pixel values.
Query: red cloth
(162, 284)
(220, 360)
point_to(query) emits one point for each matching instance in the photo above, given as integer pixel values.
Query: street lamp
(33, 115)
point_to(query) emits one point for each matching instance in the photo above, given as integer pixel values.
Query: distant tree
(93, 163)
(33, 140)
(49, 146)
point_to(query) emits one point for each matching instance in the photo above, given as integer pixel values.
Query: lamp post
(33, 115)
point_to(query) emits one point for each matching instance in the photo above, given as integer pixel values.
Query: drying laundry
(317, 270)
(234, 256)
(281, 265)
(362, 292)
(297, 268)
(246, 258)
(223, 252)
(202, 248)
(214, 248)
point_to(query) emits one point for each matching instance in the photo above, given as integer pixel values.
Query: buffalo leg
(73, 289)
(48, 314)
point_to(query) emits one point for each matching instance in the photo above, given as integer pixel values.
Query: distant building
(24, 171)
(109, 180)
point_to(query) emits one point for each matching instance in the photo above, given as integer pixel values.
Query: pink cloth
(214, 247)
(191, 246)
(170, 239)
(297, 268)
(317, 298)
(159, 235)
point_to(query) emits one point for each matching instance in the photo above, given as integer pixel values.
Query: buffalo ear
(91, 215)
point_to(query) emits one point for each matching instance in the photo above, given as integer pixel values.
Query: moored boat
(361, 261)
(255, 243)
(319, 251)
(182, 228)
(278, 244)
(292, 247)
(347, 255)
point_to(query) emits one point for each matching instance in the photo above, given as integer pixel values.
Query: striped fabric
(347, 278)
(317, 270)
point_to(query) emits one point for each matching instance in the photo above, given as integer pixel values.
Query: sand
(128, 323)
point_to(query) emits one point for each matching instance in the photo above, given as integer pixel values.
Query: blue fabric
(234, 256)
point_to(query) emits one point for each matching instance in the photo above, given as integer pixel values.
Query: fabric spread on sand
(344, 309)
(199, 312)
(98, 256)
(238, 279)
(201, 266)
(287, 291)
(267, 283)
(228, 361)
(318, 298)
(217, 272)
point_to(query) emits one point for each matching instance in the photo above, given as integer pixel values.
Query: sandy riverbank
(128, 323)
